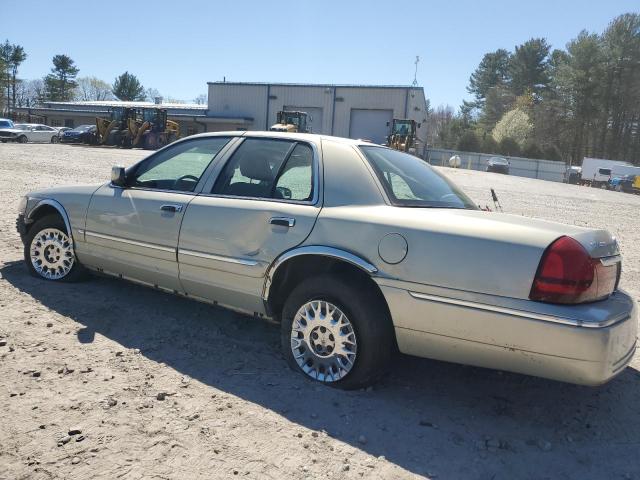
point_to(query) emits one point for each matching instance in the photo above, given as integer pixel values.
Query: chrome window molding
(127, 241)
(221, 258)
(518, 313)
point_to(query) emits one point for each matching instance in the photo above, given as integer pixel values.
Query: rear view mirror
(118, 176)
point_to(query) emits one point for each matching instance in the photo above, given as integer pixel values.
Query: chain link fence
(522, 167)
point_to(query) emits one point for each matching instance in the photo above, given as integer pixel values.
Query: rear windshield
(411, 182)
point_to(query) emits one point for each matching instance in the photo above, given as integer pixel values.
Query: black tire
(22, 139)
(55, 139)
(77, 272)
(368, 316)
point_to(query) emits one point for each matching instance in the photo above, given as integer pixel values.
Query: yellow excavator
(150, 129)
(111, 131)
(403, 135)
(291, 121)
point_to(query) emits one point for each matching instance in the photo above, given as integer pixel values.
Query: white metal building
(353, 111)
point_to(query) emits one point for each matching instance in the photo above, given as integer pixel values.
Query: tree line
(62, 84)
(557, 104)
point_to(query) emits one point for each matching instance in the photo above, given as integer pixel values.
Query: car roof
(313, 137)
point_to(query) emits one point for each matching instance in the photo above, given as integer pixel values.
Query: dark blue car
(80, 134)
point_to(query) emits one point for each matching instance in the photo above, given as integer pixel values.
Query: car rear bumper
(584, 344)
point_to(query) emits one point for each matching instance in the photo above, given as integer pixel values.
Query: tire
(618, 188)
(22, 139)
(368, 332)
(55, 139)
(50, 264)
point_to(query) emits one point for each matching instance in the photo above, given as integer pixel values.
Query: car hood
(12, 130)
(472, 250)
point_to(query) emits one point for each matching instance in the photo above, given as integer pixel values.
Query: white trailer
(597, 171)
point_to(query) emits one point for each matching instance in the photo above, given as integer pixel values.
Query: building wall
(263, 101)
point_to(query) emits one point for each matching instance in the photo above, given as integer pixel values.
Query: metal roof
(321, 85)
(118, 103)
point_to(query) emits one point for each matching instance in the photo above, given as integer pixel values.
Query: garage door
(316, 116)
(370, 124)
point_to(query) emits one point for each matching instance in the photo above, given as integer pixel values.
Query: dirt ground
(105, 379)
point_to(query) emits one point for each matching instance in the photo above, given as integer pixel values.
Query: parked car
(29, 132)
(573, 175)
(61, 130)
(626, 183)
(6, 126)
(357, 249)
(498, 165)
(80, 134)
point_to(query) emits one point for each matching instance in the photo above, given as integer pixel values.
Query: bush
(531, 150)
(508, 146)
(488, 145)
(468, 142)
(514, 124)
(552, 153)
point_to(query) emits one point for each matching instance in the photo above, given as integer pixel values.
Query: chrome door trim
(518, 313)
(152, 246)
(220, 258)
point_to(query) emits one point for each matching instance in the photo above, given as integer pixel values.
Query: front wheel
(22, 139)
(336, 332)
(49, 253)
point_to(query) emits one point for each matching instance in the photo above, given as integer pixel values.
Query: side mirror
(118, 176)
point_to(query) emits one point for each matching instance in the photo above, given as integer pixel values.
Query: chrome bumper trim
(519, 313)
(220, 258)
(152, 246)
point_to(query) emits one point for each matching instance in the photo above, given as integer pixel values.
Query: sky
(179, 46)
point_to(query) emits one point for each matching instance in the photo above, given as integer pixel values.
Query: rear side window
(268, 168)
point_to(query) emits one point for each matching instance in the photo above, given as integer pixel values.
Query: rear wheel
(55, 139)
(49, 253)
(336, 333)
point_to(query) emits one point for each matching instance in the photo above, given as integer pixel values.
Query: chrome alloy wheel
(323, 341)
(51, 253)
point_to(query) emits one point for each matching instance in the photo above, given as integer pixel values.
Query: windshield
(6, 124)
(20, 126)
(411, 182)
(604, 171)
(402, 128)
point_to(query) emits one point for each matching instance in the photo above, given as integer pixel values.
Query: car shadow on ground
(426, 416)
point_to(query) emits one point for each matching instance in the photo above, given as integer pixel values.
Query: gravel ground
(105, 379)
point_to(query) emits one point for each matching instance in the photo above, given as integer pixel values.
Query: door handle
(171, 208)
(283, 221)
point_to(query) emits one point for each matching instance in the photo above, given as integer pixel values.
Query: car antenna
(496, 202)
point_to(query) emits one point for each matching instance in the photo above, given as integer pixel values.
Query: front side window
(178, 168)
(411, 182)
(267, 168)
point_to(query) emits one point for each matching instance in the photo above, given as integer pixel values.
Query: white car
(30, 132)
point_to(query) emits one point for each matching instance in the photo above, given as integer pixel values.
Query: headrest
(256, 168)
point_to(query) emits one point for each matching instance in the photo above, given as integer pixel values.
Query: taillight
(568, 274)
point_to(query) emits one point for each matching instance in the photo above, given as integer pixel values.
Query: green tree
(532, 150)
(528, 67)
(488, 144)
(468, 142)
(61, 83)
(128, 88)
(508, 146)
(515, 125)
(492, 71)
(6, 50)
(18, 55)
(499, 101)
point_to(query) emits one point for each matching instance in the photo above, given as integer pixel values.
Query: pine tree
(61, 83)
(127, 87)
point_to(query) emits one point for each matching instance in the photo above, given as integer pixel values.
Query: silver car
(358, 250)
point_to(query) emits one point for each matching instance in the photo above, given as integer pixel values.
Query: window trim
(315, 173)
(203, 178)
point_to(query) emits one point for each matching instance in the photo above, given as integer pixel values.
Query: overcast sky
(177, 46)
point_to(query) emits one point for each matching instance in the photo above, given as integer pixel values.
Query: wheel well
(42, 212)
(296, 269)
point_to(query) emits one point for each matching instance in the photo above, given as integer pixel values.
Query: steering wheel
(186, 177)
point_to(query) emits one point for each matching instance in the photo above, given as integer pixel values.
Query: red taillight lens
(568, 274)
